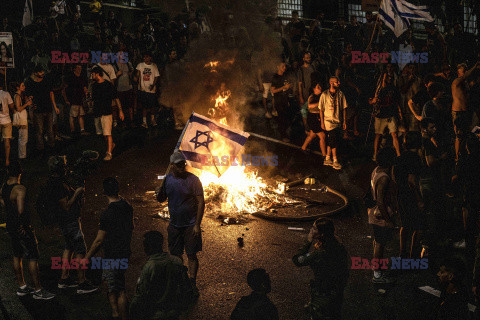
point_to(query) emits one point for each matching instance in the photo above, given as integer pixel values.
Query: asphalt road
(223, 264)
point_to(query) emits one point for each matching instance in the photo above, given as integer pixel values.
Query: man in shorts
(380, 216)
(23, 238)
(388, 107)
(148, 77)
(103, 93)
(6, 103)
(186, 205)
(115, 234)
(74, 93)
(461, 115)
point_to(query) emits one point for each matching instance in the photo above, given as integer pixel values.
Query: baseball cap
(177, 157)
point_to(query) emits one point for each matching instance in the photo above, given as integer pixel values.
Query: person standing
(125, 88)
(147, 77)
(155, 294)
(103, 93)
(280, 86)
(24, 242)
(380, 217)
(461, 115)
(21, 105)
(313, 121)
(5, 122)
(115, 234)
(41, 89)
(332, 107)
(67, 204)
(387, 103)
(304, 76)
(74, 93)
(186, 205)
(328, 259)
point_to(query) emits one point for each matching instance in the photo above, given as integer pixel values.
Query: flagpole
(374, 27)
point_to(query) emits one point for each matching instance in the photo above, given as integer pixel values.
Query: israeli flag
(27, 13)
(396, 14)
(209, 145)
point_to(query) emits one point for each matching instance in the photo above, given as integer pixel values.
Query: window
(356, 10)
(469, 20)
(285, 8)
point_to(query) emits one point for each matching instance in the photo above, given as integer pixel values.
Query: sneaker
(383, 279)
(86, 287)
(460, 244)
(108, 157)
(327, 162)
(23, 292)
(336, 165)
(84, 133)
(274, 113)
(67, 283)
(268, 115)
(145, 125)
(115, 123)
(43, 294)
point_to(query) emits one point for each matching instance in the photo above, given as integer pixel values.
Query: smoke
(242, 44)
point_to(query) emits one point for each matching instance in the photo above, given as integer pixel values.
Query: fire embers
(221, 109)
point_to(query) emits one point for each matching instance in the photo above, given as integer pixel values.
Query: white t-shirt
(108, 72)
(332, 108)
(148, 73)
(5, 100)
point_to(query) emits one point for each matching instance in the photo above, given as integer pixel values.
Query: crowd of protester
(422, 116)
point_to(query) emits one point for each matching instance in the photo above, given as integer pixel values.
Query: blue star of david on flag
(205, 143)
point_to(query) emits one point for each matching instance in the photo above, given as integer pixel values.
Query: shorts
(25, 246)
(182, 238)
(313, 121)
(74, 240)
(107, 122)
(76, 110)
(266, 89)
(115, 280)
(461, 122)
(126, 99)
(381, 124)
(333, 136)
(147, 100)
(382, 235)
(6, 130)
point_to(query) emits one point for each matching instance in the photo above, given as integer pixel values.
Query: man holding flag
(186, 205)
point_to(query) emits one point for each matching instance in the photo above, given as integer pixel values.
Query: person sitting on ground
(156, 296)
(453, 304)
(328, 259)
(256, 305)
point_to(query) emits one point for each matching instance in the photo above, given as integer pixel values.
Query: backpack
(46, 207)
(180, 288)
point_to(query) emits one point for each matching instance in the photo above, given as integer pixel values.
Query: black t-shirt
(389, 99)
(102, 95)
(429, 149)
(278, 81)
(117, 221)
(74, 91)
(13, 219)
(41, 94)
(59, 189)
(255, 306)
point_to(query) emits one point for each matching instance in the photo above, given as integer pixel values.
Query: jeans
(22, 141)
(40, 120)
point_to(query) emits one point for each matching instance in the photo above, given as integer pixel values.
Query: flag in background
(27, 13)
(205, 140)
(396, 14)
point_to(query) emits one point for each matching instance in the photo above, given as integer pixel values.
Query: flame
(212, 64)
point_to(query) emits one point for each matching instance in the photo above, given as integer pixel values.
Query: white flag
(211, 146)
(27, 13)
